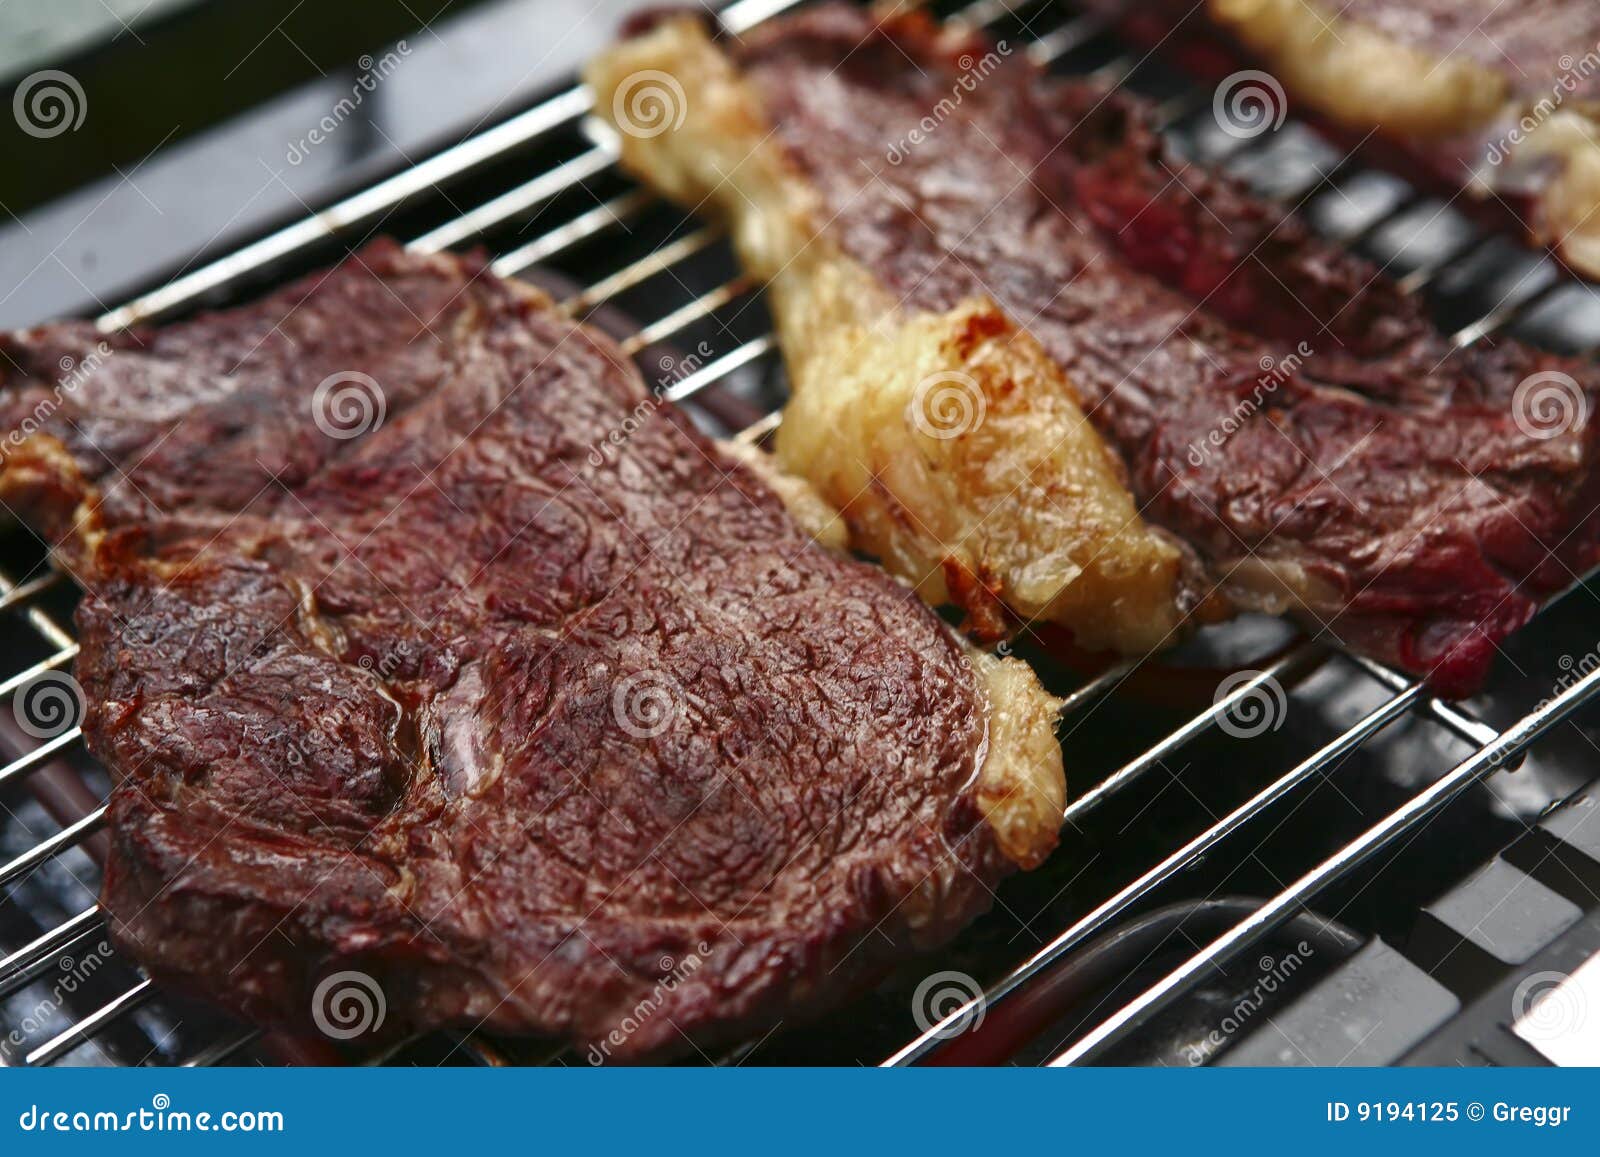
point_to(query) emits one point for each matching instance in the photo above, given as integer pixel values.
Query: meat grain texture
(541, 732)
(1282, 417)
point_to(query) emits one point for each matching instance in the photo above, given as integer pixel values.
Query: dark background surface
(195, 126)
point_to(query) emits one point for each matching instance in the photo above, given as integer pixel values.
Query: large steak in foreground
(442, 668)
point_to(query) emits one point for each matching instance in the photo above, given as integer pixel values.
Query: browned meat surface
(1279, 404)
(534, 728)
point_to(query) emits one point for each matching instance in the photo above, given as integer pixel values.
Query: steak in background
(1498, 101)
(1278, 404)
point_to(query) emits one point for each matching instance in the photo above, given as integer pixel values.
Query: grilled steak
(1499, 101)
(409, 666)
(1277, 403)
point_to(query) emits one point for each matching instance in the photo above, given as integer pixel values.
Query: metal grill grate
(585, 213)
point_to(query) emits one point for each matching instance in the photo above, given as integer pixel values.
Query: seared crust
(1020, 789)
(955, 447)
(533, 730)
